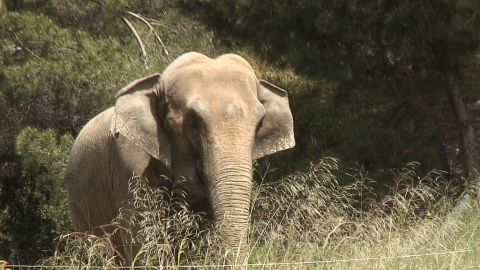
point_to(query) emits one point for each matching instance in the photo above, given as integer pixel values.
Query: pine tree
(389, 62)
(62, 63)
(33, 205)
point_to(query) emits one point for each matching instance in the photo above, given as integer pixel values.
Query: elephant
(204, 120)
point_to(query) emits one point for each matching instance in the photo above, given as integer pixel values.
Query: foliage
(52, 77)
(62, 63)
(365, 80)
(34, 205)
(388, 62)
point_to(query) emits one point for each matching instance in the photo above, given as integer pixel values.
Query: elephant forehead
(224, 107)
(194, 58)
(226, 72)
(233, 59)
(216, 80)
(213, 72)
(215, 96)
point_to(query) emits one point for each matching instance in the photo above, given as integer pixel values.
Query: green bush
(34, 205)
(61, 63)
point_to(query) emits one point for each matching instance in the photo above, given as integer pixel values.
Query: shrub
(34, 204)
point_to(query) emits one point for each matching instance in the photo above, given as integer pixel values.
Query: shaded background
(376, 84)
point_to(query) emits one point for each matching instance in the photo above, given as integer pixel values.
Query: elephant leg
(125, 242)
(115, 243)
(130, 161)
(203, 206)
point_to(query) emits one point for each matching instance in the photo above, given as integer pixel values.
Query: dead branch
(157, 36)
(139, 40)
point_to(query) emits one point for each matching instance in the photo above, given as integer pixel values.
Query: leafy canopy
(383, 65)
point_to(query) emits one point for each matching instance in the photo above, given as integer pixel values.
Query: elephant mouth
(199, 175)
(195, 185)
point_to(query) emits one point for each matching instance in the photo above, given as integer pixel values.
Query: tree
(33, 205)
(62, 63)
(389, 62)
(54, 78)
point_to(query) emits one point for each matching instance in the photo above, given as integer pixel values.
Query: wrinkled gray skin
(203, 119)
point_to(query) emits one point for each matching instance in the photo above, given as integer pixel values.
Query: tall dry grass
(304, 211)
(169, 233)
(314, 207)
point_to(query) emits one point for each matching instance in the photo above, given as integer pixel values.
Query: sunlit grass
(427, 246)
(307, 217)
(412, 228)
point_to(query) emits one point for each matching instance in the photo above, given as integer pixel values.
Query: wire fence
(255, 265)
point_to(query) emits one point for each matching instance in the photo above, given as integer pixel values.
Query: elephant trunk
(229, 174)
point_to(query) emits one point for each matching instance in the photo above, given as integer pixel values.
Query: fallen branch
(157, 36)
(139, 40)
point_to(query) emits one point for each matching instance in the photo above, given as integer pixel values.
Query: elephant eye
(192, 128)
(192, 122)
(259, 125)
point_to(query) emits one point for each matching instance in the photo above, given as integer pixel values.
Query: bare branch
(157, 36)
(139, 40)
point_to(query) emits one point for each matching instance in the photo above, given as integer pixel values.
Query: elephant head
(206, 120)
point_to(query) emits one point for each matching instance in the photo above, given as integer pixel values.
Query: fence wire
(252, 265)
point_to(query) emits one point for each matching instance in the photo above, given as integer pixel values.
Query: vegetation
(304, 211)
(392, 65)
(33, 207)
(62, 63)
(370, 83)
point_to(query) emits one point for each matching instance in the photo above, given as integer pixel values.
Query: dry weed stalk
(307, 207)
(83, 251)
(314, 207)
(169, 231)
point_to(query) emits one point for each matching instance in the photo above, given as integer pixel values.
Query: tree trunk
(467, 132)
(424, 107)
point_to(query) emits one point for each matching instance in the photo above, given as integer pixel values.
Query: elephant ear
(136, 118)
(275, 132)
